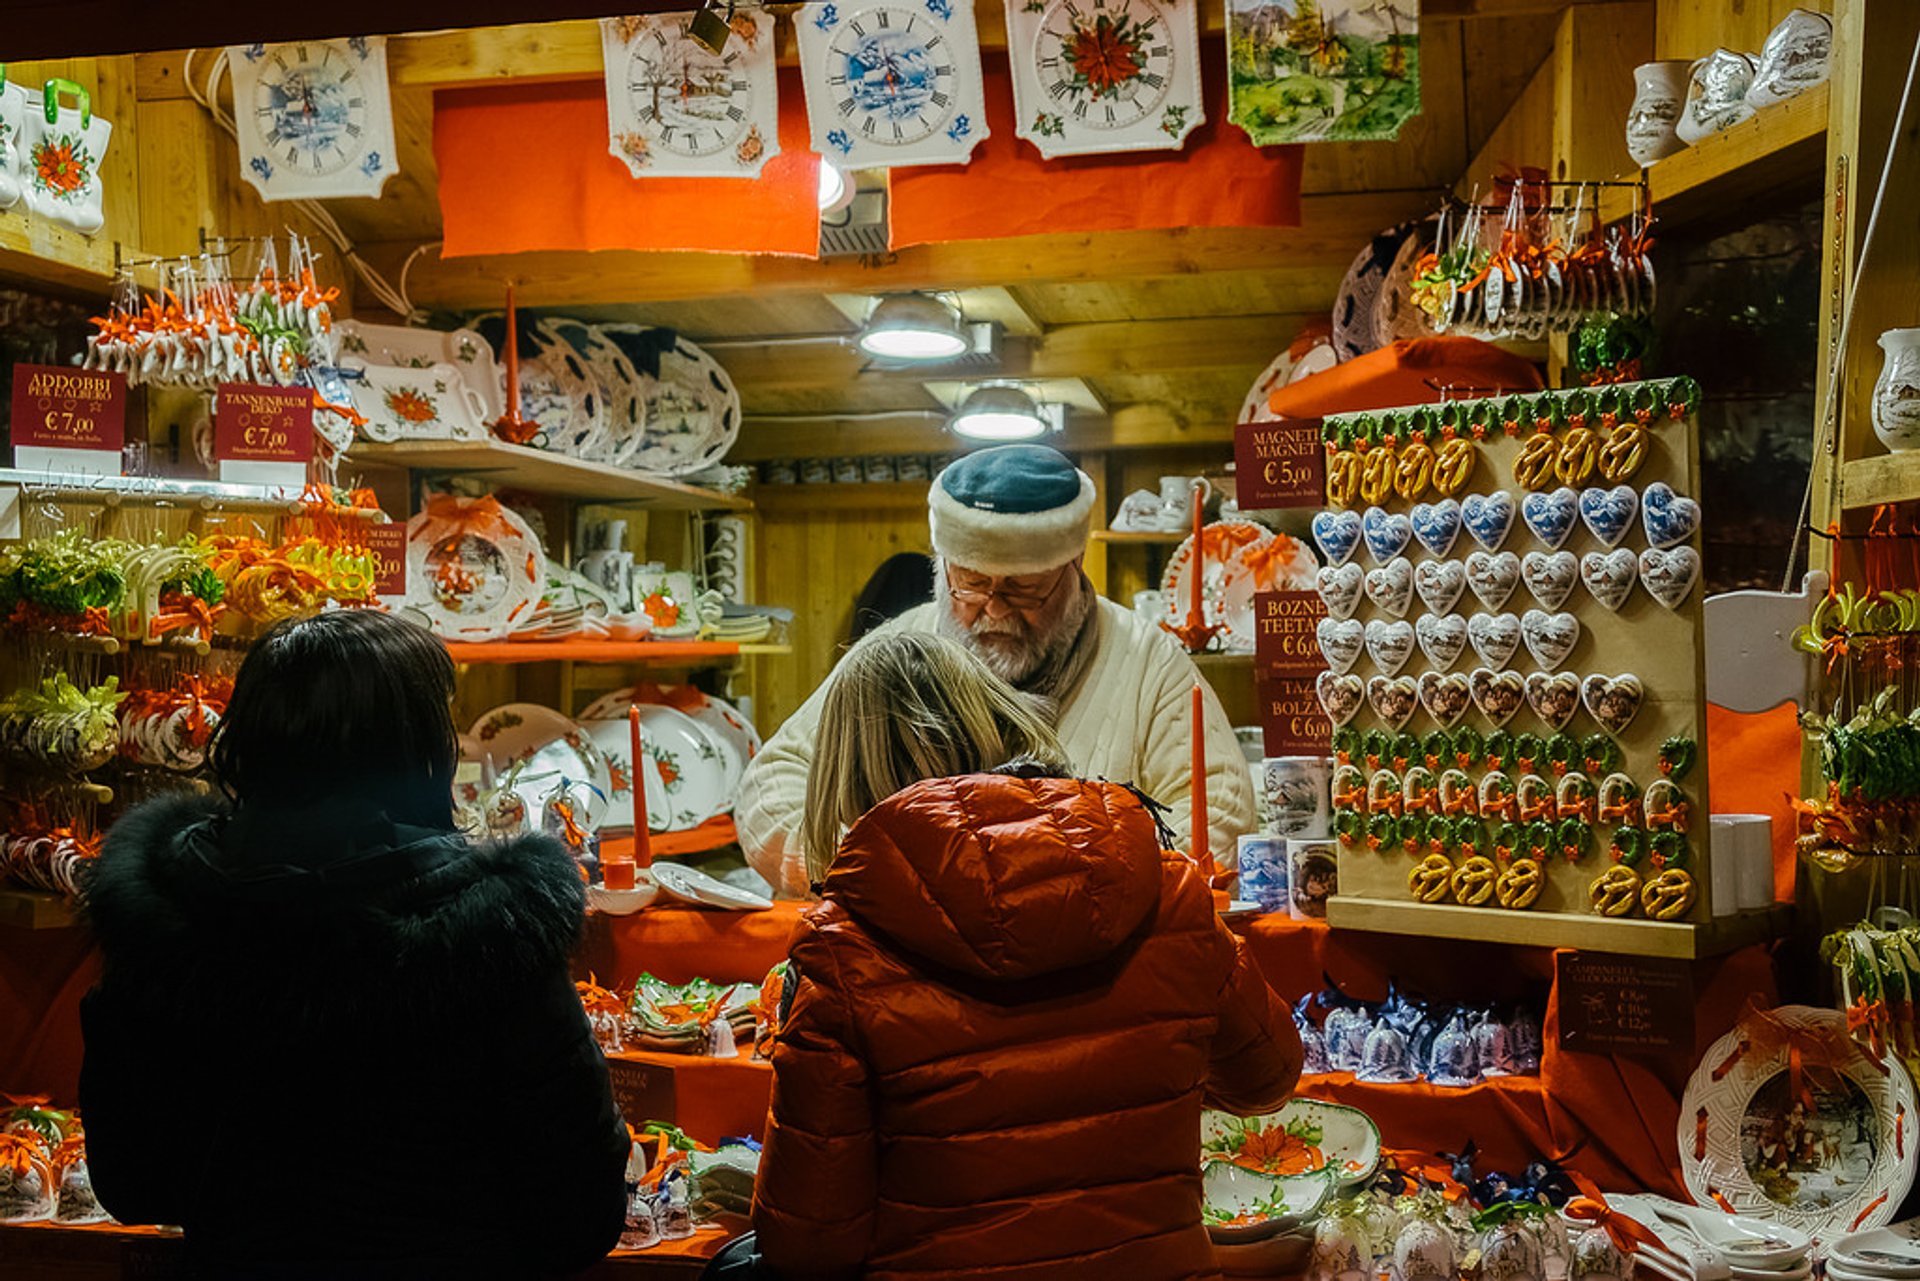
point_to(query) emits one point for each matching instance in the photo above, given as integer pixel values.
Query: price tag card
(387, 544)
(1611, 1004)
(1279, 464)
(1286, 640)
(263, 435)
(68, 420)
(1291, 718)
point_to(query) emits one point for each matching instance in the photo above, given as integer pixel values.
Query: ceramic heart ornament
(1393, 698)
(1446, 698)
(1439, 583)
(1493, 576)
(1668, 518)
(1613, 700)
(1550, 576)
(1339, 586)
(1494, 637)
(1436, 525)
(1609, 576)
(1487, 518)
(1551, 517)
(1498, 695)
(1554, 697)
(1341, 642)
(1608, 513)
(1390, 587)
(1340, 696)
(1336, 534)
(1387, 533)
(1389, 645)
(1669, 573)
(1549, 637)
(1441, 638)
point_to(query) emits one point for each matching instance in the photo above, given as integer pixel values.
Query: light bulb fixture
(914, 327)
(1001, 411)
(710, 28)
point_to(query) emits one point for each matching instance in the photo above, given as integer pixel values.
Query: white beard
(1016, 652)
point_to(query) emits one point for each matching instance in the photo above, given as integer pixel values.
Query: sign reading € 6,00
(258, 424)
(1286, 633)
(1280, 464)
(58, 407)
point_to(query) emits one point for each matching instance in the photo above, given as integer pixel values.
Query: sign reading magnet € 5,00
(68, 420)
(263, 435)
(1279, 465)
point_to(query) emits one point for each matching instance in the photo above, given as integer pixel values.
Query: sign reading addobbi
(58, 407)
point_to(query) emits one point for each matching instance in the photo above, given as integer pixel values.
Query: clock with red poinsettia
(1105, 75)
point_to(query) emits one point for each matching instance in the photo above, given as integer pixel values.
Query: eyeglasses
(978, 596)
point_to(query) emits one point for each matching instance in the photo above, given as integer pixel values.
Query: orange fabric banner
(1413, 371)
(1219, 179)
(526, 167)
(1753, 767)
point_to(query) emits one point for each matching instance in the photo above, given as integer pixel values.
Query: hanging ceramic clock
(675, 110)
(892, 82)
(314, 117)
(1105, 75)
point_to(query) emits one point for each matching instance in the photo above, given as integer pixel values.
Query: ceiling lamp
(836, 193)
(1000, 411)
(914, 327)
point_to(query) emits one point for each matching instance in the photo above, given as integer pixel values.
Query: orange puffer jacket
(1011, 1006)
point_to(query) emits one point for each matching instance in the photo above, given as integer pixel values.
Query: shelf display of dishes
(416, 348)
(533, 749)
(1242, 560)
(475, 569)
(698, 748)
(692, 408)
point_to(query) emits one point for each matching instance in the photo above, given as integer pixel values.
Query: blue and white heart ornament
(1551, 516)
(1336, 534)
(1609, 513)
(1387, 533)
(1487, 518)
(1668, 518)
(1436, 525)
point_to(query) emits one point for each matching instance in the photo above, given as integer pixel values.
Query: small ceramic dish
(623, 902)
(1246, 1205)
(1892, 1251)
(1304, 1137)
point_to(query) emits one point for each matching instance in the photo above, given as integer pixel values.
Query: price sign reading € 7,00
(55, 407)
(257, 424)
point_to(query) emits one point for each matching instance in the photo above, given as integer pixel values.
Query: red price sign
(1285, 639)
(1291, 717)
(1279, 464)
(387, 544)
(58, 407)
(255, 424)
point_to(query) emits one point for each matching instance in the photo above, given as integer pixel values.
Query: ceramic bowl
(1892, 1251)
(1245, 1205)
(623, 902)
(1340, 1140)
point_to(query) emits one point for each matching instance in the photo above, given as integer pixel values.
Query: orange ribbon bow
(1628, 1233)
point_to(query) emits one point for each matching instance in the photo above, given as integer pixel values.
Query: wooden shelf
(1778, 149)
(1140, 537)
(35, 910)
(852, 496)
(1883, 478)
(34, 251)
(1625, 935)
(605, 651)
(518, 467)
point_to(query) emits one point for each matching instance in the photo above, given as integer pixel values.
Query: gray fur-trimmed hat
(1012, 509)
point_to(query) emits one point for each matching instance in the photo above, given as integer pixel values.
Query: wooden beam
(1133, 427)
(1331, 227)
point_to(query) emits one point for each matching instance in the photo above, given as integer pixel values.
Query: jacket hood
(262, 904)
(1001, 877)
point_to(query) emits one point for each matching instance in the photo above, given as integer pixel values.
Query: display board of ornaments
(1513, 641)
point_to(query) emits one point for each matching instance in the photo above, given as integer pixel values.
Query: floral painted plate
(693, 886)
(475, 570)
(731, 732)
(432, 402)
(1788, 1120)
(416, 348)
(615, 740)
(1246, 1205)
(549, 748)
(1303, 1137)
(1242, 558)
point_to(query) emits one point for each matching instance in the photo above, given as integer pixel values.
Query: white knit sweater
(1130, 722)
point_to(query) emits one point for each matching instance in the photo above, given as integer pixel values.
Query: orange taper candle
(513, 359)
(1196, 613)
(642, 838)
(1197, 809)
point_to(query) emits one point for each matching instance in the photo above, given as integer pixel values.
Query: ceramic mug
(1797, 56)
(1263, 872)
(816, 471)
(1896, 395)
(1150, 604)
(779, 472)
(1294, 800)
(1716, 95)
(1659, 94)
(1176, 500)
(878, 470)
(1313, 877)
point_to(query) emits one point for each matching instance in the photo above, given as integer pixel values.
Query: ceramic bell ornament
(1797, 56)
(1593, 1256)
(1716, 95)
(1492, 1045)
(1555, 1247)
(1385, 1056)
(1343, 1242)
(1313, 1045)
(1896, 395)
(1455, 1062)
(1524, 1041)
(1424, 1249)
(1659, 94)
(1346, 1030)
(1510, 1248)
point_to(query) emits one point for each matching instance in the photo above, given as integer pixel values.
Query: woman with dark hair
(331, 1037)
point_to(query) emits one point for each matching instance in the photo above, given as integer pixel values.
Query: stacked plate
(1703, 1241)
(678, 1017)
(1891, 1253)
(697, 749)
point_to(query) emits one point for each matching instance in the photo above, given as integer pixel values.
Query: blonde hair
(902, 707)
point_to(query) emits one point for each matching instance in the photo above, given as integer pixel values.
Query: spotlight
(1000, 411)
(914, 327)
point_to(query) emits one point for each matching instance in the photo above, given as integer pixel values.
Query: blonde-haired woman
(1010, 1004)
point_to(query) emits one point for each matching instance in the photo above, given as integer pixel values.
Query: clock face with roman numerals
(677, 110)
(1105, 75)
(892, 82)
(314, 117)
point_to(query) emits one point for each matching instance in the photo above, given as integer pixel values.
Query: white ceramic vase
(1716, 95)
(1896, 396)
(1797, 56)
(1659, 94)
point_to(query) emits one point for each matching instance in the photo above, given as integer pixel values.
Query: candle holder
(1196, 634)
(510, 426)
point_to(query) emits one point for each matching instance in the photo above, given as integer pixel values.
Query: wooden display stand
(1662, 646)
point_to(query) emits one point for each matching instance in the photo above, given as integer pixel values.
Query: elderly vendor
(1010, 531)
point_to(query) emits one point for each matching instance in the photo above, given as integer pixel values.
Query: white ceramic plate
(552, 747)
(697, 887)
(464, 349)
(735, 738)
(1237, 567)
(559, 391)
(431, 402)
(615, 740)
(692, 408)
(1262, 1205)
(1771, 1158)
(474, 572)
(692, 769)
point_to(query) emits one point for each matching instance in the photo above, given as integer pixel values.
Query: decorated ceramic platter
(559, 391)
(415, 348)
(427, 402)
(692, 886)
(1304, 1137)
(1246, 1205)
(1242, 560)
(1827, 1148)
(734, 736)
(549, 749)
(474, 569)
(614, 738)
(691, 766)
(692, 408)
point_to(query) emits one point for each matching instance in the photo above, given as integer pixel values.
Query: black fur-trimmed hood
(278, 910)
